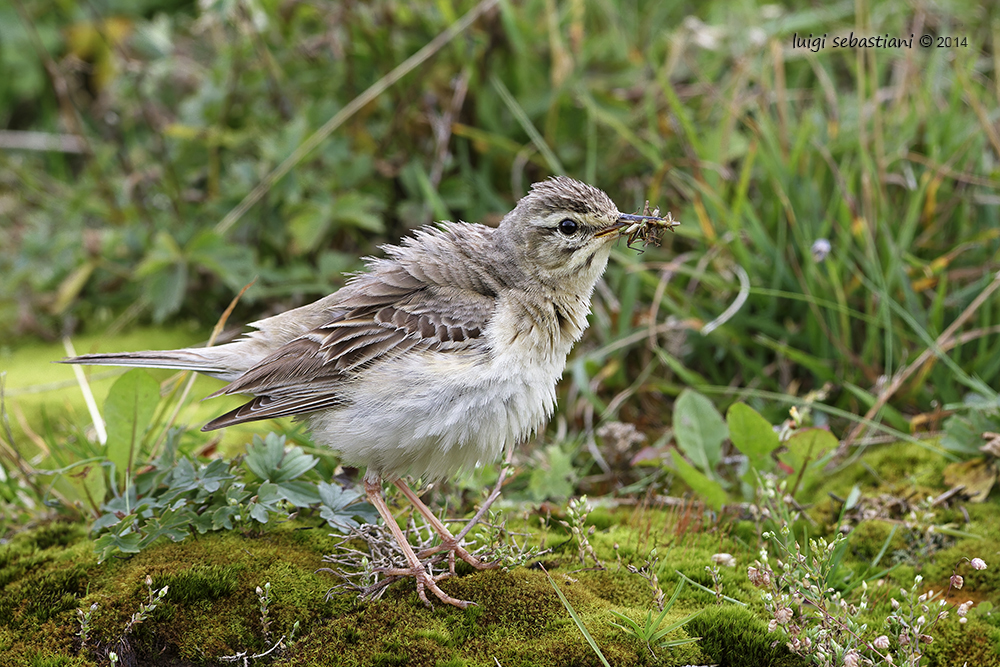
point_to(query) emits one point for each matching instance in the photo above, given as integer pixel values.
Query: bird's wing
(381, 317)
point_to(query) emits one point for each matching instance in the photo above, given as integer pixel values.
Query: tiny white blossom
(882, 642)
(978, 564)
(726, 560)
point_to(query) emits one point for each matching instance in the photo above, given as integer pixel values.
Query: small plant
(146, 608)
(650, 631)
(914, 616)
(577, 512)
(85, 616)
(648, 572)
(264, 595)
(274, 650)
(171, 498)
(502, 545)
(576, 619)
(824, 626)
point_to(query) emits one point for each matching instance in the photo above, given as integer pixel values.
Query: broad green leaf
(175, 526)
(307, 227)
(707, 489)
(553, 480)
(353, 209)
(300, 494)
(751, 434)
(232, 263)
(108, 543)
(165, 290)
(264, 456)
(805, 448)
(164, 253)
(268, 460)
(337, 508)
(699, 430)
(128, 411)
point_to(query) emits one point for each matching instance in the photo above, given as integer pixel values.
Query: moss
(209, 582)
(733, 636)
(212, 608)
(869, 537)
(974, 643)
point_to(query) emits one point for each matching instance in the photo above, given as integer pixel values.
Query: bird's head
(562, 231)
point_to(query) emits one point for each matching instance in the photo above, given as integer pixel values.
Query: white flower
(724, 559)
(882, 642)
(820, 249)
(978, 564)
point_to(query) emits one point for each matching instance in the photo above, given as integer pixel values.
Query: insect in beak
(646, 226)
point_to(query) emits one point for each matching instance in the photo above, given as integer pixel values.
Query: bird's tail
(209, 360)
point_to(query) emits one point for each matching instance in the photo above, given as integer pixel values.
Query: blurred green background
(844, 200)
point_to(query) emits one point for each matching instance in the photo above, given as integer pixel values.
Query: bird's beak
(629, 223)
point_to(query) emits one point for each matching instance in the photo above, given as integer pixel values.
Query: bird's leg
(373, 489)
(490, 499)
(448, 541)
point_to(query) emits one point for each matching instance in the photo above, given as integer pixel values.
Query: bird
(442, 354)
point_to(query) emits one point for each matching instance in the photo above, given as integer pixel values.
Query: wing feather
(381, 316)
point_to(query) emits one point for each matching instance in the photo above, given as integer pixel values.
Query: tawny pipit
(439, 356)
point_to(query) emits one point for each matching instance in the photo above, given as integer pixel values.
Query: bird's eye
(568, 227)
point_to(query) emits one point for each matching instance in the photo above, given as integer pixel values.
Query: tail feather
(200, 360)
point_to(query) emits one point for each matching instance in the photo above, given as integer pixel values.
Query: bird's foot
(426, 581)
(454, 549)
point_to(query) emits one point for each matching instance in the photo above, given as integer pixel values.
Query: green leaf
(164, 254)
(300, 494)
(308, 227)
(165, 290)
(269, 461)
(360, 211)
(707, 489)
(232, 263)
(805, 448)
(223, 517)
(579, 621)
(264, 456)
(699, 430)
(109, 543)
(555, 478)
(175, 526)
(751, 434)
(340, 507)
(266, 502)
(128, 411)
